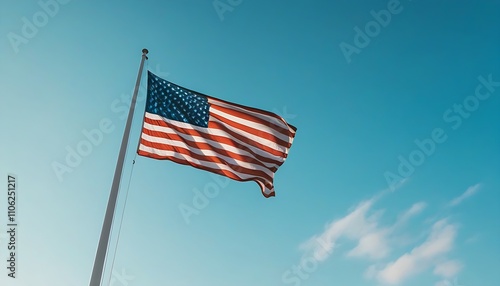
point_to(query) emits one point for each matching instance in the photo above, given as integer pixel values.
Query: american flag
(190, 128)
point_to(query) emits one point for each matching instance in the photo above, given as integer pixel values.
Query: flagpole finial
(145, 52)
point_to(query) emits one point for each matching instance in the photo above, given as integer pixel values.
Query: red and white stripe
(242, 143)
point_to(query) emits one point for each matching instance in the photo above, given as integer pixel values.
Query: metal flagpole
(100, 256)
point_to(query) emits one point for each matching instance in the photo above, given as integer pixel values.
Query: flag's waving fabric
(239, 142)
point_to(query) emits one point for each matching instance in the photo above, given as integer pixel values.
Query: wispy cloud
(415, 209)
(353, 225)
(448, 269)
(362, 225)
(356, 225)
(428, 254)
(468, 193)
(373, 245)
(376, 241)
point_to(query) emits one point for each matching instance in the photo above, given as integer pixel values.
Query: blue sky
(393, 177)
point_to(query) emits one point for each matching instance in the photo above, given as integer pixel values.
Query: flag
(232, 140)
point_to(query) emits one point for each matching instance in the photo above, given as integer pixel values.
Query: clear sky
(393, 177)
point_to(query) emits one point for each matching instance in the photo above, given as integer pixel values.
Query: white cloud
(373, 245)
(448, 269)
(373, 241)
(372, 271)
(353, 225)
(439, 242)
(397, 271)
(468, 193)
(362, 225)
(415, 209)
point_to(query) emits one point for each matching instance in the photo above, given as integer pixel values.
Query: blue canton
(174, 102)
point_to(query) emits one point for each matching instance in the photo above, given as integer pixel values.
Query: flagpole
(100, 256)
